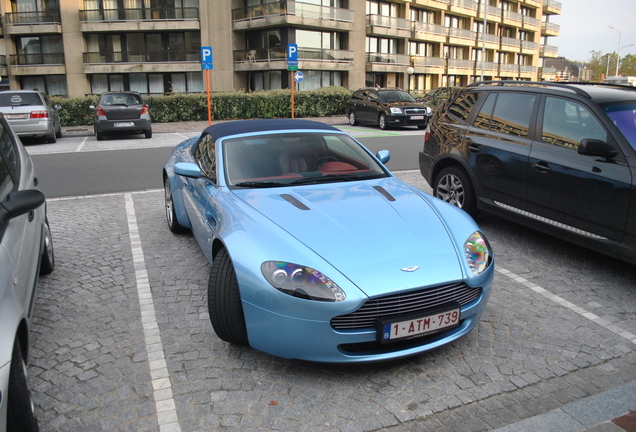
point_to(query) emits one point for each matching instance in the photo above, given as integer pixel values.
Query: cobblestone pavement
(122, 342)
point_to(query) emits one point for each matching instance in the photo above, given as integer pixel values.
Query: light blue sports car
(318, 252)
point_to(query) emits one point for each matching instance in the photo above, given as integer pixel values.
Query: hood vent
(384, 193)
(293, 200)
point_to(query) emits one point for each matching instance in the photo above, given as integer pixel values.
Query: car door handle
(541, 166)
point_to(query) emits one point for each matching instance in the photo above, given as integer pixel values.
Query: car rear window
(20, 99)
(121, 99)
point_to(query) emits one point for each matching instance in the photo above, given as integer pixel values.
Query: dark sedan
(121, 112)
(386, 107)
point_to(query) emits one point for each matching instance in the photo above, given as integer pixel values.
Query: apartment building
(80, 47)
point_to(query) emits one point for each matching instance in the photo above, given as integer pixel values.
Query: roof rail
(603, 84)
(564, 86)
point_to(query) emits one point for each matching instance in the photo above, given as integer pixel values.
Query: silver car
(26, 251)
(31, 114)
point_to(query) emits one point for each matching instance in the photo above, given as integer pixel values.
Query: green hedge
(324, 102)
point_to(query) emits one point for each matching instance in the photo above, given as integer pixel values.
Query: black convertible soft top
(247, 126)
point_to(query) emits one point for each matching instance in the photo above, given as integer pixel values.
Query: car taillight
(427, 135)
(39, 114)
(144, 109)
(100, 111)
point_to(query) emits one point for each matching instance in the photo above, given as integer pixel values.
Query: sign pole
(207, 81)
(293, 85)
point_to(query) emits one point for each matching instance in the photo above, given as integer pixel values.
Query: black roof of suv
(557, 157)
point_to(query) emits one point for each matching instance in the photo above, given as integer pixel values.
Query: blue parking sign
(292, 54)
(207, 60)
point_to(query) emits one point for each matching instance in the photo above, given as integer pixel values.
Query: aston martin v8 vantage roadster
(318, 252)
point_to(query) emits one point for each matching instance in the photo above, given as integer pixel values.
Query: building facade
(82, 47)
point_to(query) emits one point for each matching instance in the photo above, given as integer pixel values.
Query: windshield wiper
(260, 184)
(334, 178)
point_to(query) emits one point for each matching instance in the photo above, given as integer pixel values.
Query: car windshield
(395, 96)
(19, 99)
(285, 159)
(624, 117)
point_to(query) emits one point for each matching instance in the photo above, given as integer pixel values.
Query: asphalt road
(115, 165)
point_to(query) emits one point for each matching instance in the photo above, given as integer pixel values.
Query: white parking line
(574, 308)
(164, 401)
(81, 146)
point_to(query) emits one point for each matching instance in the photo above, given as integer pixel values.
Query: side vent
(292, 200)
(384, 193)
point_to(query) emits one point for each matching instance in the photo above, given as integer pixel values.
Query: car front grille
(405, 303)
(415, 111)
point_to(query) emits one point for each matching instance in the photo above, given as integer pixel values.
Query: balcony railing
(164, 56)
(389, 22)
(17, 18)
(461, 64)
(280, 53)
(468, 4)
(392, 59)
(529, 45)
(434, 62)
(462, 33)
(140, 14)
(436, 29)
(550, 27)
(305, 10)
(37, 59)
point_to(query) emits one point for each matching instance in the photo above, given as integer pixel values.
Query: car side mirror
(592, 147)
(19, 203)
(188, 169)
(384, 156)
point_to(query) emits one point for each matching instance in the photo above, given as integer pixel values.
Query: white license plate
(17, 116)
(419, 326)
(124, 124)
(417, 117)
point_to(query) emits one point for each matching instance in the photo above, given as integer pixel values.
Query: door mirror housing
(592, 147)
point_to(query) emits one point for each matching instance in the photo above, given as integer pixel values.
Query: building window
(54, 85)
(314, 80)
(40, 50)
(155, 83)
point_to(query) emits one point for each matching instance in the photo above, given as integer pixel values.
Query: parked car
(559, 158)
(386, 107)
(31, 114)
(26, 251)
(121, 112)
(436, 98)
(318, 252)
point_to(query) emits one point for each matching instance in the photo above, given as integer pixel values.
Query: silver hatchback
(31, 114)
(26, 251)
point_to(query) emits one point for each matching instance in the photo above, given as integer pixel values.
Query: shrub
(324, 102)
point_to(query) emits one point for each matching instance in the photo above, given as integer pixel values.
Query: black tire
(52, 139)
(224, 301)
(58, 133)
(148, 133)
(353, 120)
(21, 412)
(100, 136)
(453, 185)
(382, 122)
(47, 263)
(171, 214)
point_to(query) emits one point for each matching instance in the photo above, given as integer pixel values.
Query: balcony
(464, 7)
(461, 36)
(429, 65)
(550, 29)
(551, 7)
(459, 66)
(37, 64)
(528, 47)
(549, 51)
(510, 44)
(429, 32)
(384, 62)
(292, 13)
(512, 18)
(276, 58)
(388, 26)
(530, 23)
(33, 23)
(134, 19)
(142, 61)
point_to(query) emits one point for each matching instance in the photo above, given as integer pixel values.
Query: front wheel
(47, 263)
(224, 301)
(453, 186)
(21, 412)
(171, 214)
(382, 122)
(353, 121)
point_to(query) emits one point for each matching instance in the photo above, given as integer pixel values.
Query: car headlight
(395, 110)
(301, 281)
(478, 253)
